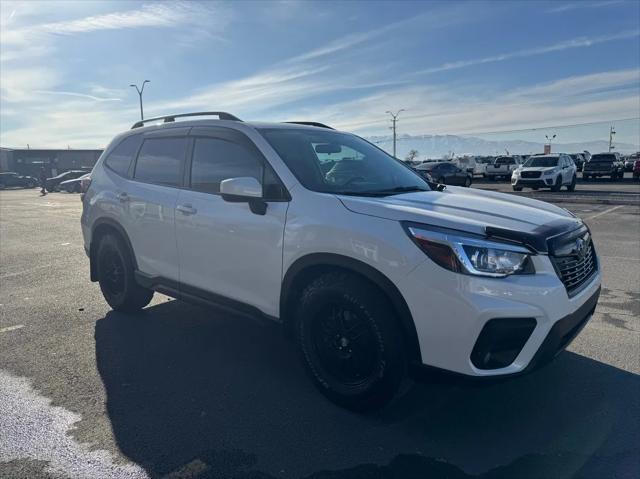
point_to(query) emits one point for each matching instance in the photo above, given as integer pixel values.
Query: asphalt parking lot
(183, 391)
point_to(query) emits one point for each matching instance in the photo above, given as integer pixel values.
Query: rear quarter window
(120, 157)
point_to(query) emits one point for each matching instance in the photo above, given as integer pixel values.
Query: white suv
(546, 171)
(368, 266)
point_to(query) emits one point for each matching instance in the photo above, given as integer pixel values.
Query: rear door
(151, 200)
(225, 249)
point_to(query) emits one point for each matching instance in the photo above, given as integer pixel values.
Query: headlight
(472, 254)
(549, 172)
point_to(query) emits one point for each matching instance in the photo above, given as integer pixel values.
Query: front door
(225, 248)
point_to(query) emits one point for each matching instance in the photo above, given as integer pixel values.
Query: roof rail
(171, 118)
(310, 123)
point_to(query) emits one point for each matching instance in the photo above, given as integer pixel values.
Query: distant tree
(412, 155)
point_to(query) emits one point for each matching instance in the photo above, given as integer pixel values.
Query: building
(28, 161)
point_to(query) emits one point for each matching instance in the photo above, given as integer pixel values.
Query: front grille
(530, 174)
(574, 271)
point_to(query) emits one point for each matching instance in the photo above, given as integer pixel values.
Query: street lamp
(549, 141)
(394, 119)
(140, 90)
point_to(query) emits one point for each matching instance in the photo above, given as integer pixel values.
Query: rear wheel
(116, 276)
(349, 341)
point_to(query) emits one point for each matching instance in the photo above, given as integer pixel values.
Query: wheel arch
(305, 269)
(101, 227)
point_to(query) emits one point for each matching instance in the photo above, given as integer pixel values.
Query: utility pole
(140, 90)
(394, 119)
(612, 132)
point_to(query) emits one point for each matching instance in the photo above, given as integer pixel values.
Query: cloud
(445, 110)
(76, 94)
(583, 4)
(152, 15)
(581, 42)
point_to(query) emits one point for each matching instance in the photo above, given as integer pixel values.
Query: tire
(517, 188)
(340, 311)
(76, 188)
(116, 277)
(557, 185)
(572, 185)
(467, 182)
(614, 176)
(441, 181)
(31, 185)
(585, 177)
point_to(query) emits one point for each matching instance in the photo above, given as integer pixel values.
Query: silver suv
(369, 267)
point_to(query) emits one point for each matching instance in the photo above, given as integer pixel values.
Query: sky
(459, 68)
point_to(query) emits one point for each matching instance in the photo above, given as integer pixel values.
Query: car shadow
(194, 392)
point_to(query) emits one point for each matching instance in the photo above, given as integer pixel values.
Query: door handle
(123, 197)
(186, 209)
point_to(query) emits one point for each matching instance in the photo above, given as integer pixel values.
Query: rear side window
(160, 161)
(120, 158)
(215, 160)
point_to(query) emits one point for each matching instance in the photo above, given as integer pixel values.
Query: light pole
(549, 142)
(140, 90)
(394, 119)
(612, 132)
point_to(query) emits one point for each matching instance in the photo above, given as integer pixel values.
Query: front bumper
(531, 183)
(451, 310)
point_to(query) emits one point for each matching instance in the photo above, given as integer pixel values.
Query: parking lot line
(603, 212)
(11, 328)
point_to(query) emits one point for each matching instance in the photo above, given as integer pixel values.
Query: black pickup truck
(604, 164)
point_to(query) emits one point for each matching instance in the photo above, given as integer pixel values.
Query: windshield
(544, 162)
(602, 158)
(505, 160)
(331, 162)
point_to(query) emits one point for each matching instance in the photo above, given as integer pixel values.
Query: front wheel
(349, 341)
(517, 188)
(557, 185)
(116, 276)
(572, 185)
(467, 182)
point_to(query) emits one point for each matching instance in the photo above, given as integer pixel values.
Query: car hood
(538, 168)
(475, 211)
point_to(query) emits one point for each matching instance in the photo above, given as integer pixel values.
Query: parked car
(446, 173)
(73, 185)
(636, 170)
(546, 171)
(52, 184)
(470, 165)
(369, 272)
(502, 167)
(630, 161)
(10, 178)
(578, 160)
(604, 164)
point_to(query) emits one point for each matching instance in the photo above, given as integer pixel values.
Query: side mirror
(244, 189)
